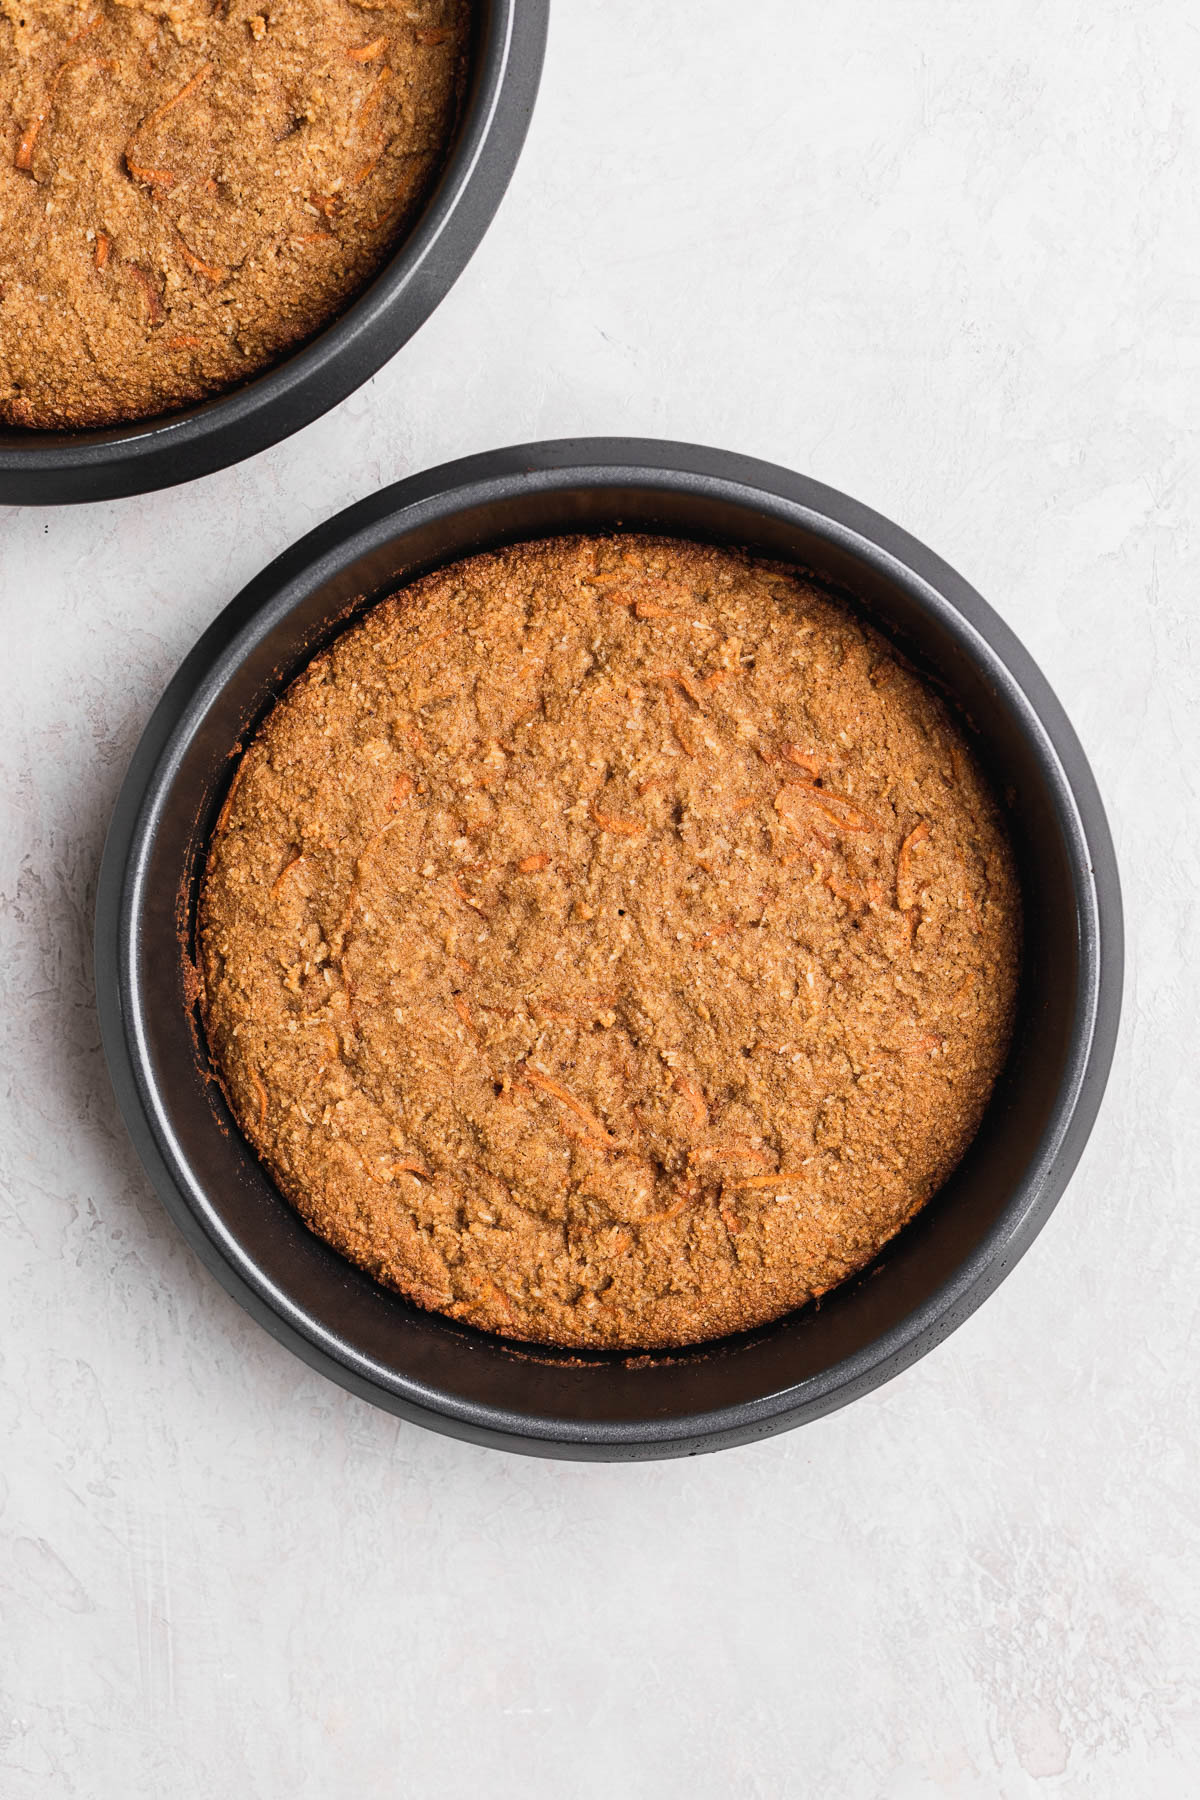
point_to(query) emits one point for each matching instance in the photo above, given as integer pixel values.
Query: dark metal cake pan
(48, 468)
(442, 1374)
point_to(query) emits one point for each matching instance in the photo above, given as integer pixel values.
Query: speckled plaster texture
(948, 259)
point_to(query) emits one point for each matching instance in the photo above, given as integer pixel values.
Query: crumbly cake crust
(188, 188)
(608, 942)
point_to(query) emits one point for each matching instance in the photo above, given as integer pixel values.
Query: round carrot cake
(188, 188)
(609, 942)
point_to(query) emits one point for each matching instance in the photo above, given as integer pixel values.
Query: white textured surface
(944, 257)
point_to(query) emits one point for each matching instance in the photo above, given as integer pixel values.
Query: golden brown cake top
(608, 942)
(189, 189)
